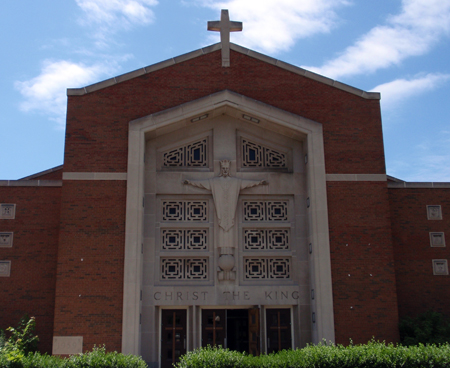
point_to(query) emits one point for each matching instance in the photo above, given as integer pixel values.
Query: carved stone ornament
(225, 191)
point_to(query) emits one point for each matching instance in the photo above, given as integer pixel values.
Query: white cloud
(420, 24)
(272, 26)
(46, 93)
(400, 89)
(108, 16)
(118, 12)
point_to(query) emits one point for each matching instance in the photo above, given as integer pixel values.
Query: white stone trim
(418, 185)
(356, 177)
(94, 176)
(215, 47)
(30, 183)
(232, 104)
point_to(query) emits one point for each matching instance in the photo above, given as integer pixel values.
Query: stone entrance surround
(212, 292)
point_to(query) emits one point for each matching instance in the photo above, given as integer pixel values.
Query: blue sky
(398, 48)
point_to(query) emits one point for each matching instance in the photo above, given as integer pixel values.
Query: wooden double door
(235, 329)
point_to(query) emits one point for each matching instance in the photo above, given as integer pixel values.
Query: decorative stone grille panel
(437, 239)
(7, 211)
(257, 155)
(191, 155)
(267, 268)
(440, 267)
(5, 268)
(184, 269)
(184, 239)
(434, 212)
(185, 210)
(266, 239)
(6, 240)
(265, 211)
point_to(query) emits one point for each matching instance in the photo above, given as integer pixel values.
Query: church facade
(221, 197)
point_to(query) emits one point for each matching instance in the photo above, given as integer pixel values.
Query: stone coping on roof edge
(30, 183)
(215, 47)
(418, 185)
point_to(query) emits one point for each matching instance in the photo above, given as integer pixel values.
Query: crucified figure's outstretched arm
(203, 184)
(252, 183)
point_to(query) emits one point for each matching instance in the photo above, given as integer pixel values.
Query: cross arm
(235, 26)
(214, 25)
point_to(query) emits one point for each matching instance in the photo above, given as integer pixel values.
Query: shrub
(97, 358)
(21, 340)
(371, 355)
(428, 328)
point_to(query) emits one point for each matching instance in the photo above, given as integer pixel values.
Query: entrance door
(173, 336)
(235, 329)
(214, 327)
(253, 331)
(278, 330)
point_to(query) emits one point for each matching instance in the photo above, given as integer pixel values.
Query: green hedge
(98, 358)
(371, 355)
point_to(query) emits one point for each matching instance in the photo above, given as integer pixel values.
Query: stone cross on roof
(225, 26)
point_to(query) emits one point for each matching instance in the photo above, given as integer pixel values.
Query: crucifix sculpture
(225, 26)
(225, 191)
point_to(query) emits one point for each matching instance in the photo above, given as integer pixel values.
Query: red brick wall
(97, 139)
(54, 175)
(418, 289)
(31, 287)
(90, 262)
(97, 123)
(362, 262)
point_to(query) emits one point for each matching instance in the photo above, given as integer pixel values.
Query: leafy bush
(19, 351)
(21, 340)
(371, 355)
(97, 358)
(428, 328)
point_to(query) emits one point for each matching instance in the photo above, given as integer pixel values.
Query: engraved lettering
(284, 295)
(226, 294)
(204, 293)
(235, 295)
(246, 295)
(179, 295)
(195, 295)
(268, 295)
(295, 295)
(157, 295)
(168, 295)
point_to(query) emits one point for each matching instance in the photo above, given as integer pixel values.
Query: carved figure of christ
(225, 191)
